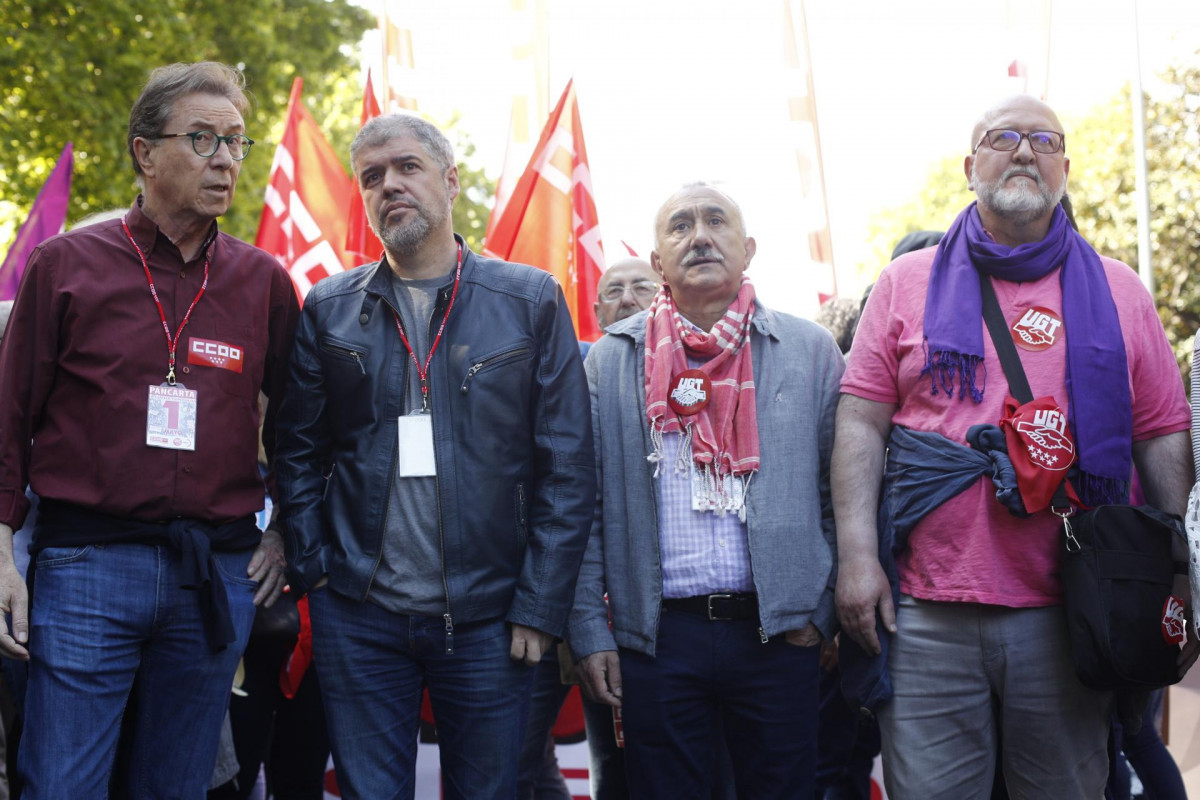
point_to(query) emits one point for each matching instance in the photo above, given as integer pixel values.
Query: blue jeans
(102, 614)
(539, 775)
(373, 665)
(714, 680)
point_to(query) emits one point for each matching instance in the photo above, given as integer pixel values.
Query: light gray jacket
(793, 547)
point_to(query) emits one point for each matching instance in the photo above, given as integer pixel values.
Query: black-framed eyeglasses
(1006, 140)
(205, 143)
(642, 290)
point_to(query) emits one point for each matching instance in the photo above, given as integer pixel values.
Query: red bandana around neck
(723, 433)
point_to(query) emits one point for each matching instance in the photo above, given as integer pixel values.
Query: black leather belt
(716, 607)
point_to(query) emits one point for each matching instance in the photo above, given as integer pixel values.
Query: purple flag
(45, 220)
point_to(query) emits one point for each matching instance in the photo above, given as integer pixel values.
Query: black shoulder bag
(1117, 568)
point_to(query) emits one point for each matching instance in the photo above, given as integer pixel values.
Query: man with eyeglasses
(714, 533)
(131, 373)
(964, 645)
(625, 288)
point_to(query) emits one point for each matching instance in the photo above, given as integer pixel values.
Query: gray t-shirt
(409, 578)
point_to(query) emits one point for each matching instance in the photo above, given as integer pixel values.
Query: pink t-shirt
(970, 549)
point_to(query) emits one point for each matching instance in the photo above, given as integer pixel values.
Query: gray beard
(1019, 204)
(406, 239)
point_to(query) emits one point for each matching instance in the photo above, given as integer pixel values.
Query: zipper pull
(470, 374)
(358, 360)
(449, 634)
(762, 635)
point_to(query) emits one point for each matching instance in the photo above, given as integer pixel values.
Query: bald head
(1016, 104)
(1018, 187)
(697, 189)
(625, 288)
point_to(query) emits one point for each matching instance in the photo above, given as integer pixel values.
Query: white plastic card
(705, 499)
(171, 417)
(416, 447)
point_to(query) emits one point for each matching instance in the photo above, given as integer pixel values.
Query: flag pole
(1141, 183)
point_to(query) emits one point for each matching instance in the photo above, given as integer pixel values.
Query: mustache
(1028, 173)
(702, 254)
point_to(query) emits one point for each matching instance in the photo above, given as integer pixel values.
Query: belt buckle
(711, 616)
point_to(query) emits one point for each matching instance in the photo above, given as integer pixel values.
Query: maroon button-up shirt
(85, 342)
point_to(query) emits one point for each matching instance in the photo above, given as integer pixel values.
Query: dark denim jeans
(373, 665)
(714, 679)
(101, 616)
(539, 777)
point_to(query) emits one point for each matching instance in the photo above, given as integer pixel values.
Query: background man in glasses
(978, 651)
(714, 539)
(131, 373)
(625, 288)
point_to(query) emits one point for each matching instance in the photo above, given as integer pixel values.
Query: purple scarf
(1100, 409)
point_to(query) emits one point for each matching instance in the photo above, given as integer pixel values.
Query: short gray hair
(379, 130)
(168, 84)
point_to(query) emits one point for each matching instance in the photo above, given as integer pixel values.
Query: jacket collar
(379, 284)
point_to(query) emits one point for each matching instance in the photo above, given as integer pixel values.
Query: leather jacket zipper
(354, 354)
(447, 618)
(387, 507)
(478, 365)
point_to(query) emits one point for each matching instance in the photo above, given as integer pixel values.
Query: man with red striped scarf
(713, 538)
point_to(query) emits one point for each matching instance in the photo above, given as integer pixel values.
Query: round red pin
(690, 392)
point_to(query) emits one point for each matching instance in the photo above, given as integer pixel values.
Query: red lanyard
(171, 342)
(423, 371)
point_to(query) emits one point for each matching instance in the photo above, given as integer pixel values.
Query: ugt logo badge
(690, 392)
(1174, 628)
(1037, 329)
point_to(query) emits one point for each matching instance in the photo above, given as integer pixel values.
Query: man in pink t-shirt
(978, 650)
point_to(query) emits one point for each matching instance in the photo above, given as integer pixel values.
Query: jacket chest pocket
(495, 398)
(494, 361)
(343, 360)
(347, 377)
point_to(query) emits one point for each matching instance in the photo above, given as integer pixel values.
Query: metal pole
(1142, 191)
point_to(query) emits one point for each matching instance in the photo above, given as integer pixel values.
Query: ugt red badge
(1174, 628)
(1040, 446)
(690, 392)
(1037, 329)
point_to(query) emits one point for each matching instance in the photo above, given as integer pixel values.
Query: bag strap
(1014, 371)
(1006, 350)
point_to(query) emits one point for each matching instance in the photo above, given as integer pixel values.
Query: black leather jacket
(512, 440)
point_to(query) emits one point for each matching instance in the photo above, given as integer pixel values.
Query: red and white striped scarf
(724, 434)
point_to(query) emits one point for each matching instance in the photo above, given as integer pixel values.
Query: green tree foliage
(1101, 185)
(474, 201)
(933, 209)
(69, 71)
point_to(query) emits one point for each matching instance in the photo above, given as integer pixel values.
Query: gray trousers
(978, 683)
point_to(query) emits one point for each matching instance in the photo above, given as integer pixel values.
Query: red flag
(45, 219)
(361, 243)
(550, 220)
(304, 222)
